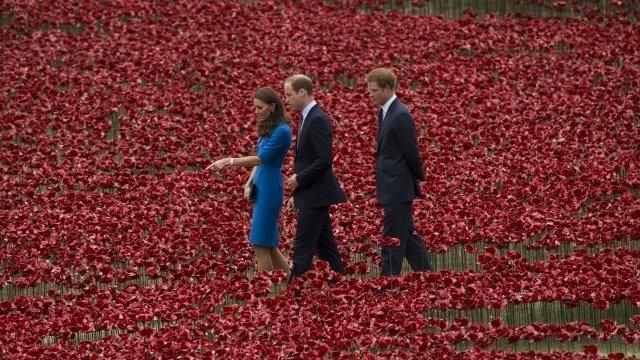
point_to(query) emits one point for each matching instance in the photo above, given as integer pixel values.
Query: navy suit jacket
(398, 163)
(313, 165)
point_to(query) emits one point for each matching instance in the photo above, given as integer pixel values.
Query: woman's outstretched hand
(219, 164)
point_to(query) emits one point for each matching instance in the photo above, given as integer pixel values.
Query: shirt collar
(386, 105)
(307, 108)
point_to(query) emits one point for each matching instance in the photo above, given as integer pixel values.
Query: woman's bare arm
(247, 161)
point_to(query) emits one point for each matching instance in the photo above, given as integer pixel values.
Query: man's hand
(291, 204)
(292, 182)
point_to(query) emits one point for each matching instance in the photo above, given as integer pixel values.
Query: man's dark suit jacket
(317, 184)
(398, 163)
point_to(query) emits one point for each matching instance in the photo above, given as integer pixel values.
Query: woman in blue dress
(275, 133)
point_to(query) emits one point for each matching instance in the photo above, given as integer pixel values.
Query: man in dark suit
(398, 175)
(314, 184)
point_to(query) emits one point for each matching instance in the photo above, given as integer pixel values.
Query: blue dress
(271, 150)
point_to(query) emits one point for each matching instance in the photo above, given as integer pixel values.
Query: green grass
(76, 29)
(614, 345)
(114, 119)
(198, 87)
(453, 9)
(5, 20)
(554, 312)
(347, 81)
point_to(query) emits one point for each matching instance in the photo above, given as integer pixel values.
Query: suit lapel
(385, 122)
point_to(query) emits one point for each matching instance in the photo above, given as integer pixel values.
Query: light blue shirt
(386, 105)
(306, 110)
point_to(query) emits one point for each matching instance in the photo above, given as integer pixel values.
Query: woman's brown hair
(269, 96)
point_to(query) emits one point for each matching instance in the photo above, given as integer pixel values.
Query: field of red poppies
(116, 244)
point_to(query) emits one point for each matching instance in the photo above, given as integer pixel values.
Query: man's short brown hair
(300, 82)
(384, 77)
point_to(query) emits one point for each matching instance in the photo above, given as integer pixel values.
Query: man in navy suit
(314, 184)
(398, 175)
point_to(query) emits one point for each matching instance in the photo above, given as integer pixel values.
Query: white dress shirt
(386, 105)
